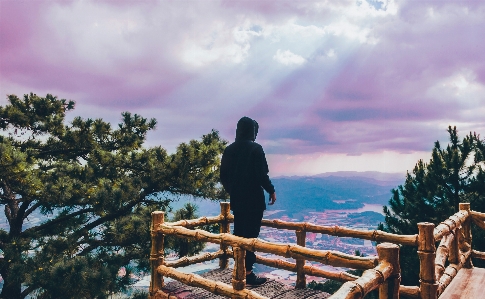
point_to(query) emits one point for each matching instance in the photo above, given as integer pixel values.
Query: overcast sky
(334, 85)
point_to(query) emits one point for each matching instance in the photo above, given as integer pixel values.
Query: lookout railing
(438, 265)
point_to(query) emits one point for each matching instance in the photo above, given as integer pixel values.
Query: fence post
(390, 253)
(224, 229)
(156, 253)
(300, 262)
(239, 272)
(427, 254)
(467, 234)
(454, 256)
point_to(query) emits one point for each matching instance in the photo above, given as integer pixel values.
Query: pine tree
(95, 187)
(433, 191)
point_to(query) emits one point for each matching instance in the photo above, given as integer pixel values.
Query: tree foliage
(433, 191)
(95, 186)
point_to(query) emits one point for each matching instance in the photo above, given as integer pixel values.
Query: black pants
(248, 224)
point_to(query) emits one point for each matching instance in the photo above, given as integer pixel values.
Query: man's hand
(272, 199)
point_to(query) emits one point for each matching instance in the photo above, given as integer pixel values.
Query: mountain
(326, 191)
(338, 190)
(370, 176)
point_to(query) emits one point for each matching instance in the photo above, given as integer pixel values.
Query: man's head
(247, 129)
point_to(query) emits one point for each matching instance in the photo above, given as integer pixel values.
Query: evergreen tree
(95, 187)
(433, 191)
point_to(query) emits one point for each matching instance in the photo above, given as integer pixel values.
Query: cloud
(337, 77)
(288, 58)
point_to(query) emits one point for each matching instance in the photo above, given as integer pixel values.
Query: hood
(247, 129)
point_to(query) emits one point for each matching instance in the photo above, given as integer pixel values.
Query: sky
(363, 85)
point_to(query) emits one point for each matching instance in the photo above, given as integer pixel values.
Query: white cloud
(98, 36)
(288, 58)
(199, 56)
(461, 87)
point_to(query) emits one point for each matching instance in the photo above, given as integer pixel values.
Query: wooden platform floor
(271, 289)
(467, 284)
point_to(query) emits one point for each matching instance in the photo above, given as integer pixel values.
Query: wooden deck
(271, 289)
(468, 284)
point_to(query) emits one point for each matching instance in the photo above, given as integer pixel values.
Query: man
(244, 175)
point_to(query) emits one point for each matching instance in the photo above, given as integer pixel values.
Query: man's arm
(263, 173)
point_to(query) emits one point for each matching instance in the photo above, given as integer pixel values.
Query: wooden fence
(438, 266)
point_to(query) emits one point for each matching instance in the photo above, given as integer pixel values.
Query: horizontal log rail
(447, 226)
(215, 287)
(373, 235)
(478, 222)
(328, 257)
(200, 221)
(186, 260)
(308, 270)
(410, 292)
(478, 254)
(478, 215)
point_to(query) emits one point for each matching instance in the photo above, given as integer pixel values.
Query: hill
(346, 190)
(336, 190)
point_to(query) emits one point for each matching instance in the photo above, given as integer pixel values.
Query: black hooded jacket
(244, 170)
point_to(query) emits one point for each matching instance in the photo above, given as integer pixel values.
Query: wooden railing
(438, 266)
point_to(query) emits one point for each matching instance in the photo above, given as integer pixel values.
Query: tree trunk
(11, 289)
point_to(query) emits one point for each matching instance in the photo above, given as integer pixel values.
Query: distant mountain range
(371, 176)
(337, 190)
(344, 190)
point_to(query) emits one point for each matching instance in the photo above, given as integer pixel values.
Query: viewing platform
(445, 271)
(467, 284)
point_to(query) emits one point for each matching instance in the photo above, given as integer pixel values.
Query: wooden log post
(224, 229)
(467, 233)
(300, 262)
(156, 253)
(427, 255)
(389, 253)
(239, 272)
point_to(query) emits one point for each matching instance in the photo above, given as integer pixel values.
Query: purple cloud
(345, 78)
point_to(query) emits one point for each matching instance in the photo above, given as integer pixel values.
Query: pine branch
(49, 224)
(106, 218)
(27, 291)
(23, 207)
(31, 209)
